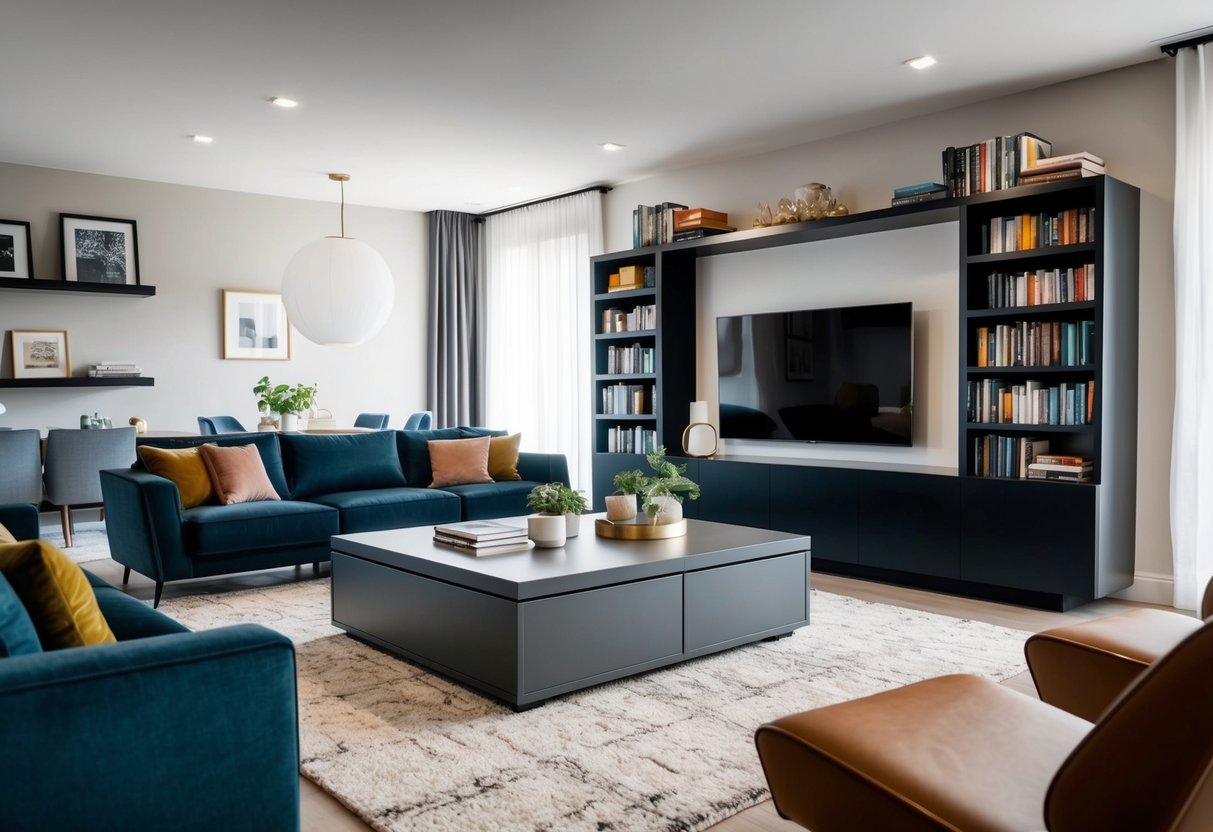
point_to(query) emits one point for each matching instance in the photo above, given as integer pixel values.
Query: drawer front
(734, 603)
(575, 637)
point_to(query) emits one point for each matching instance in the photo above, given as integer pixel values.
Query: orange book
(1006, 406)
(1091, 402)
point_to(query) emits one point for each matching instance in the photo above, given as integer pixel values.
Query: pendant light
(338, 290)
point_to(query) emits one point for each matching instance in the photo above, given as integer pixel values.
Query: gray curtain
(455, 376)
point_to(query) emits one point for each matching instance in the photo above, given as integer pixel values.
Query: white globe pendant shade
(337, 291)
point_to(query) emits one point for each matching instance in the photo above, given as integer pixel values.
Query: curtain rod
(1173, 48)
(602, 189)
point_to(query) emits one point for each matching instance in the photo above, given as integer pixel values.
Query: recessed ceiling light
(921, 62)
(284, 103)
(612, 146)
(202, 139)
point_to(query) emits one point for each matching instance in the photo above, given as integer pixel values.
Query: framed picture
(255, 325)
(41, 354)
(99, 249)
(16, 249)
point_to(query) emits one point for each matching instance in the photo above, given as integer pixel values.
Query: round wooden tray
(639, 529)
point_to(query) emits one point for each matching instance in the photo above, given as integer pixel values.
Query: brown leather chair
(964, 753)
(1082, 668)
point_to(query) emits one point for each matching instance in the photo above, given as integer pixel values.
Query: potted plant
(284, 401)
(621, 505)
(557, 499)
(662, 491)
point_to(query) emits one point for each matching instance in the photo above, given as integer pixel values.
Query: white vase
(669, 510)
(572, 522)
(621, 507)
(547, 531)
(290, 421)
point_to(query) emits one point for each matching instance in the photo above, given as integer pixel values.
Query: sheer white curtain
(1192, 442)
(537, 363)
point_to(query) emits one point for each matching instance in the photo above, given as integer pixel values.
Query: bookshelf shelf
(1037, 311)
(142, 381)
(1001, 427)
(624, 376)
(1031, 371)
(633, 333)
(1033, 254)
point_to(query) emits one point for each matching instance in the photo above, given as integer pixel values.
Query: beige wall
(194, 242)
(1126, 116)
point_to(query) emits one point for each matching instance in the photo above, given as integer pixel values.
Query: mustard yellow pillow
(184, 466)
(56, 594)
(503, 457)
(6, 536)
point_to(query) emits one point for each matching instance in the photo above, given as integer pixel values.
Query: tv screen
(818, 375)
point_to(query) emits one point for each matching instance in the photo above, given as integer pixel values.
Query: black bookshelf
(141, 381)
(17, 284)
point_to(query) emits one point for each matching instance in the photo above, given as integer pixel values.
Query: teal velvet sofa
(166, 729)
(327, 483)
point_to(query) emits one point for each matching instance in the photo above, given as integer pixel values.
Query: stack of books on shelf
(115, 369)
(1028, 231)
(992, 165)
(1036, 344)
(693, 223)
(638, 319)
(633, 359)
(631, 440)
(1069, 285)
(632, 277)
(1061, 468)
(653, 224)
(1006, 457)
(922, 192)
(994, 400)
(482, 537)
(627, 400)
(1059, 168)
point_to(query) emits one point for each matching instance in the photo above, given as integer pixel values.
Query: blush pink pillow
(459, 461)
(237, 473)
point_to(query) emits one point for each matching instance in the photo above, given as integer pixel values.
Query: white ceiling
(474, 105)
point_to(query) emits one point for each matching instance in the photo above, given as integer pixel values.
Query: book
(920, 188)
(696, 233)
(1080, 156)
(686, 215)
(691, 225)
(926, 196)
(1062, 459)
(482, 551)
(1050, 166)
(476, 530)
(481, 544)
(1061, 469)
(1057, 176)
(1032, 149)
(631, 275)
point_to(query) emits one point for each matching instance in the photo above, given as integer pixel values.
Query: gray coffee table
(527, 626)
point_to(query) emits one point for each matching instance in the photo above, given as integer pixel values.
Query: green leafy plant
(283, 398)
(555, 498)
(630, 482)
(667, 480)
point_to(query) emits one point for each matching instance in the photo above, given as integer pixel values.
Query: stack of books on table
(693, 223)
(1060, 468)
(922, 192)
(115, 369)
(482, 537)
(1057, 168)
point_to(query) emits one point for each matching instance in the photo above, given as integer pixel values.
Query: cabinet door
(819, 502)
(735, 492)
(1029, 535)
(909, 522)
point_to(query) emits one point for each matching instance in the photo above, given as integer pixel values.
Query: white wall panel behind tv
(919, 265)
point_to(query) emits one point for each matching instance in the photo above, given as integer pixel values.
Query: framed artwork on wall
(41, 353)
(255, 326)
(16, 249)
(99, 249)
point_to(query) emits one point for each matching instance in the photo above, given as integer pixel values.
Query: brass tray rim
(639, 531)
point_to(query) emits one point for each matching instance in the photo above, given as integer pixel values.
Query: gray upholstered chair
(21, 464)
(373, 421)
(421, 420)
(210, 425)
(74, 460)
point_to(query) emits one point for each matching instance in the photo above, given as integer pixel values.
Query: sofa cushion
(221, 531)
(55, 593)
(484, 501)
(266, 444)
(475, 431)
(392, 508)
(329, 463)
(6, 536)
(17, 634)
(458, 461)
(415, 453)
(238, 474)
(184, 466)
(503, 457)
(129, 618)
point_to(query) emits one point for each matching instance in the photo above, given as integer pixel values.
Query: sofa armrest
(535, 467)
(21, 519)
(143, 523)
(191, 731)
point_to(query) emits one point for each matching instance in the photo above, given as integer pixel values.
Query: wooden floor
(322, 813)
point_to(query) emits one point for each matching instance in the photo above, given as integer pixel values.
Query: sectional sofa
(327, 484)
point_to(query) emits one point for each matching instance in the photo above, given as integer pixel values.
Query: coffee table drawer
(572, 638)
(735, 603)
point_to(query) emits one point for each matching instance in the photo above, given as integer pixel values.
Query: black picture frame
(99, 249)
(15, 235)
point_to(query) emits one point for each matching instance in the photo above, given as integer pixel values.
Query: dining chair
(210, 425)
(373, 421)
(421, 420)
(21, 464)
(74, 460)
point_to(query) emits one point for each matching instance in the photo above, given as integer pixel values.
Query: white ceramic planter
(572, 524)
(290, 421)
(621, 507)
(547, 531)
(670, 511)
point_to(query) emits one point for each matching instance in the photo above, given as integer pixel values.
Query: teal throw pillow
(17, 634)
(330, 463)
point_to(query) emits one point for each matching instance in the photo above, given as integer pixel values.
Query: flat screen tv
(818, 375)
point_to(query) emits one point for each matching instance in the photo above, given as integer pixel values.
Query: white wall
(1126, 116)
(194, 242)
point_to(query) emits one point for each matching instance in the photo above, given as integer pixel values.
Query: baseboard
(1149, 588)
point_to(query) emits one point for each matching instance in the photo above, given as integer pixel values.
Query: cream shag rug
(668, 750)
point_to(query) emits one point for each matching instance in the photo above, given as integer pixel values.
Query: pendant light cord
(343, 209)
